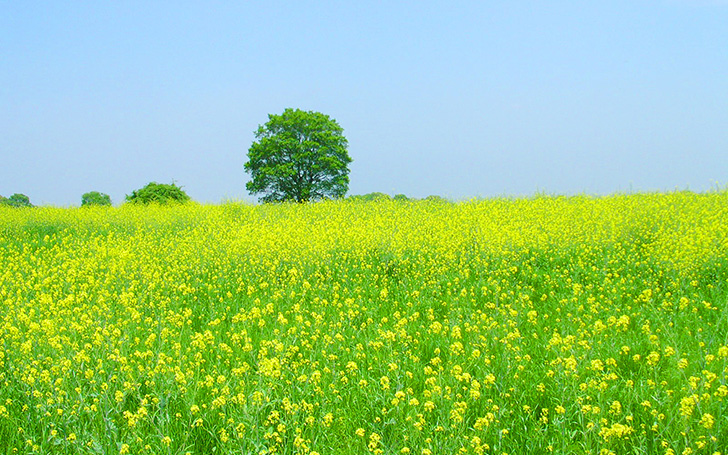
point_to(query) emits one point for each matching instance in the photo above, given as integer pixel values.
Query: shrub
(95, 198)
(160, 193)
(400, 197)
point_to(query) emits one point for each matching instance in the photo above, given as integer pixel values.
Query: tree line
(297, 156)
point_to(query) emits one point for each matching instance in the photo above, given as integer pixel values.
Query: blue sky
(458, 99)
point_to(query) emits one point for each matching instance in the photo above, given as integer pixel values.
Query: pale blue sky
(453, 98)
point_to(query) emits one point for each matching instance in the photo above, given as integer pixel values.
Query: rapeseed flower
(435, 327)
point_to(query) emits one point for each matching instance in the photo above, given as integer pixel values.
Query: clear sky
(453, 98)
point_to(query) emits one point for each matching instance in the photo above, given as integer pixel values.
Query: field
(501, 326)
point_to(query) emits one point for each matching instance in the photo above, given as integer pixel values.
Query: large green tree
(298, 156)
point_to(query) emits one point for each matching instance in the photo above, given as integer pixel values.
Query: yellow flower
(653, 357)
(687, 405)
(374, 440)
(707, 421)
(617, 430)
(616, 407)
(328, 418)
(723, 351)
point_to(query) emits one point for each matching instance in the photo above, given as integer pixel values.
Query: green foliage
(16, 200)
(434, 198)
(298, 156)
(376, 196)
(95, 198)
(160, 193)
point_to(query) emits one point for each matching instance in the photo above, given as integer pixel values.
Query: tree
(160, 193)
(16, 200)
(298, 156)
(95, 198)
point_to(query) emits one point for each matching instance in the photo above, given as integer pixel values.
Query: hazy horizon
(460, 100)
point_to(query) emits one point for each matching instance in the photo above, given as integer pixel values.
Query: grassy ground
(550, 324)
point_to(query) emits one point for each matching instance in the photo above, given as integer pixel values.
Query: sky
(452, 98)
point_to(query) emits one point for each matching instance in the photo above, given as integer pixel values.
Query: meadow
(547, 324)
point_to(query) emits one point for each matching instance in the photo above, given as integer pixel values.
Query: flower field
(502, 326)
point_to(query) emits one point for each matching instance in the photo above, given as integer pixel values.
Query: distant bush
(434, 198)
(370, 197)
(160, 193)
(16, 200)
(376, 196)
(95, 198)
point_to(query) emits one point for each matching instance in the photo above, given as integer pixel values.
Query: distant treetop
(95, 198)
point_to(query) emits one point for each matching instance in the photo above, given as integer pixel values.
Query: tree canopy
(298, 156)
(16, 200)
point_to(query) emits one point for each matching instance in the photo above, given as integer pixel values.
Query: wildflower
(687, 405)
(616, 407)
(328, 419)
(617, 430)
(374, 440)
(707, 421)
(384, 382)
